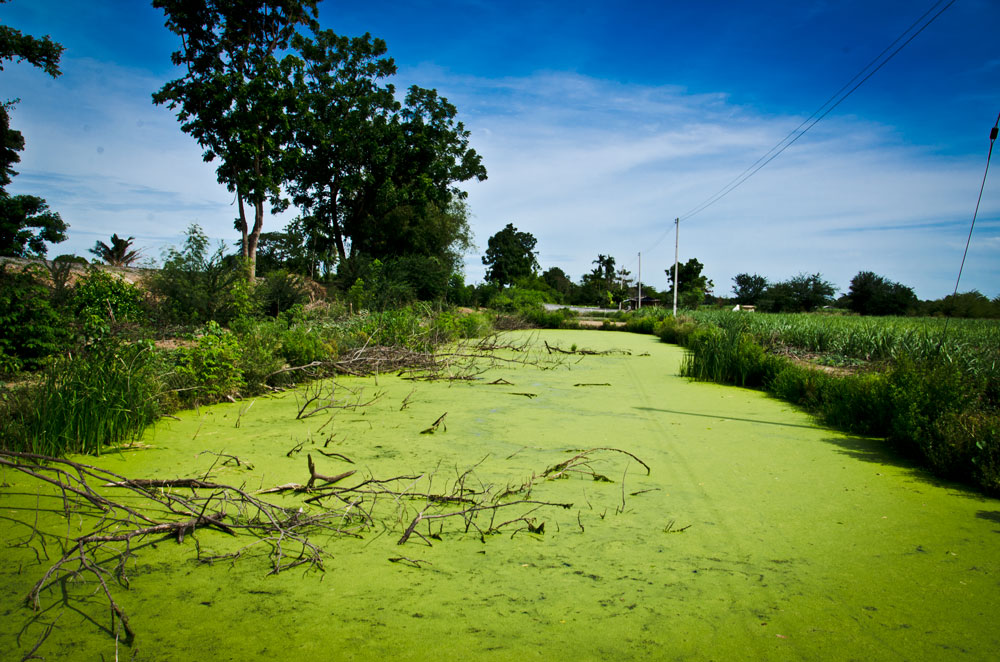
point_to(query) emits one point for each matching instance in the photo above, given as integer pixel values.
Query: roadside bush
(675, 330)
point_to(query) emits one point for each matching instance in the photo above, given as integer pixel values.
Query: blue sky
(598, 122)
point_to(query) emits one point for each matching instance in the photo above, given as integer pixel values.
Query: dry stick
(474, 509)
(558, 468)
(433, 428)
(314, 476)
(337, 455)
(414, 562)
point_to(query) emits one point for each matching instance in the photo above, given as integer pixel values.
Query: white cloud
(587, 166)
(592, 167)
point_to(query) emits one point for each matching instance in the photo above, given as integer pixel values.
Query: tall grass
(107, 395)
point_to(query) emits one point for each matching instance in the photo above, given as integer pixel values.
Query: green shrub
(675, 330)
(195, 286)
(31, 329)
(103, 302)
(208, 372)
(281, 290)
(260, 356)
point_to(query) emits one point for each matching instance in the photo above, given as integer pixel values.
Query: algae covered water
(755, 534)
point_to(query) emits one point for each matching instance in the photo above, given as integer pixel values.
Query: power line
(819, 114)
(968, 241)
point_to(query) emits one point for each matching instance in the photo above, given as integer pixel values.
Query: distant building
(633, 303)
(746, 309)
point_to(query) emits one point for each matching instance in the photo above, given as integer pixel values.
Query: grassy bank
(929, 387)
(110, 389)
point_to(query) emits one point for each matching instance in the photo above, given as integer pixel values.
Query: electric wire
(789, 140)
(968, 241)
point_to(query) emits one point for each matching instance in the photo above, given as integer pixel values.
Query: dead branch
(581, 459)
(434, 426)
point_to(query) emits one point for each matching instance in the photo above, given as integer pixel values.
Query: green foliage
(748, 289)
(971, 305)
(693, 284)
(510, 255)
(107, 394)
(208, 371)
(26, 225)
(675, 329)
(195, 286)
(31, 329)
(871, 294)
(558, 281)
(280, 290)
(102, 302)
(448, 326)
(803, 293)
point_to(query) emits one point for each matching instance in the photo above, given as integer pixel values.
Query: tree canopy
(871, 294)
(748, 289)
(119, 253)
(233, 97)
(288, 107)
(803, 293)
(510, 255)
(693, 284)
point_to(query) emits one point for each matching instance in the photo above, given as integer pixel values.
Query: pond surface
(756, 534)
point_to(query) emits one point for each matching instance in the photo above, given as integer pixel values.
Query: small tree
(510, 255)
(871, 294)
(693, 284)
(196, 285)
(26, 224)
(748, 289)
(118, 253)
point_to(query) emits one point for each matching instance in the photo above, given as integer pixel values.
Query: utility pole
(677, 231)
(639, 297)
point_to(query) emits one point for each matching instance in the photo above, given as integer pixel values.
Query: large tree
(26, 223)
(510, 255)
(409, 201)
(234, 96)
(871, 294)
(340, 124)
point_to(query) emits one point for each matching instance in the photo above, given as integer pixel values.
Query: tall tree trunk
(251, 242)
(241, 224)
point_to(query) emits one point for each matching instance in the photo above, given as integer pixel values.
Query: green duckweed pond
(756, 534)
